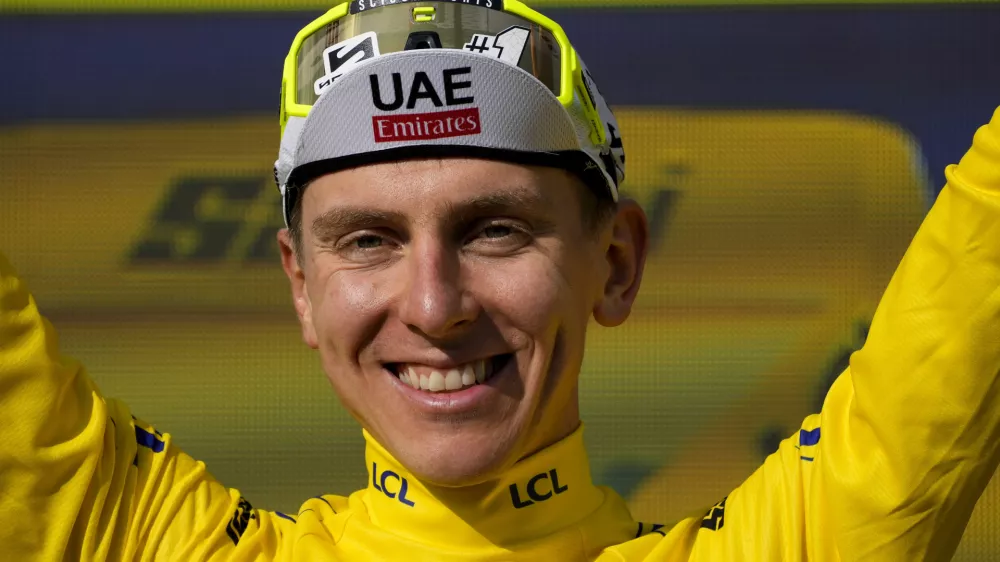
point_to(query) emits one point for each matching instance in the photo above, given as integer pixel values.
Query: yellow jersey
(890, 469)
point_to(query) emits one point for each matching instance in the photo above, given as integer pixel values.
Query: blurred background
(785, 151)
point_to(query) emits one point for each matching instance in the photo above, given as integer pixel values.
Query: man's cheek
(361, 292)
(352, 297)
(527, 294)
(339, 325)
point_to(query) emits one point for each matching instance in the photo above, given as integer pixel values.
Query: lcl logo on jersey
(425, 126)
(541, 487)
(392, 485)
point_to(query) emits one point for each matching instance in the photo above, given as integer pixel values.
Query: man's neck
(539, 496)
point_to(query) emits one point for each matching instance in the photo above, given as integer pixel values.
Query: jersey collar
(538, 497)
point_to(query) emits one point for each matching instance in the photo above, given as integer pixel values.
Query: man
(449, 174)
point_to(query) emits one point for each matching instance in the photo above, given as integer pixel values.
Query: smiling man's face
(449, 301)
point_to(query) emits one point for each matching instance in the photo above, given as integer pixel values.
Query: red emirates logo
(427, 126)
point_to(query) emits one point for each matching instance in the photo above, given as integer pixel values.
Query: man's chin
(453, 461)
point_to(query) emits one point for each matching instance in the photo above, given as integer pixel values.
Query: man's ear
(626, 259)
(300, 293)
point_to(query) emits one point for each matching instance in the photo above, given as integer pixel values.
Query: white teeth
(436, 382)
(468, 376)
(453, 380)
(480, 371)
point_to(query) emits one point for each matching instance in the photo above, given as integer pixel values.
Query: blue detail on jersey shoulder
(148, 440)
(283, 516)
(322, 499)
(807, 438)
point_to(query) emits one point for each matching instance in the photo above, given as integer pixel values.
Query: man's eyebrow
(508, 199)
(337, 221)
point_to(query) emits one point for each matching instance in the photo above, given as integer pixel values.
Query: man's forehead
(442, 187)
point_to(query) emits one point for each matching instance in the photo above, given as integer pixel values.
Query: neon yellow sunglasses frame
(571, 70)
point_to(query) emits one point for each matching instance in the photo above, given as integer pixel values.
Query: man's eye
(499, 238)
(368, 242)
(497, 231)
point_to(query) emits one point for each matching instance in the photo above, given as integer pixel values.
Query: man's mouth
(459, 377)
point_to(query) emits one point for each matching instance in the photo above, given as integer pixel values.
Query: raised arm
(909, 434)
(81, 479)
(908, 437)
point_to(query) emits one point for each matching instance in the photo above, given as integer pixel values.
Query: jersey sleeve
(81, 479)
(909, 434)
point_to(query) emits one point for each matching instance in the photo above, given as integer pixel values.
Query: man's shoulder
(332, 512)
(331, 504)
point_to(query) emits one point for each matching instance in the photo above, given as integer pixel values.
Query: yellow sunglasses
(355, 31)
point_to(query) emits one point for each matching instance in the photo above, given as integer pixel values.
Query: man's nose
(436, 301)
